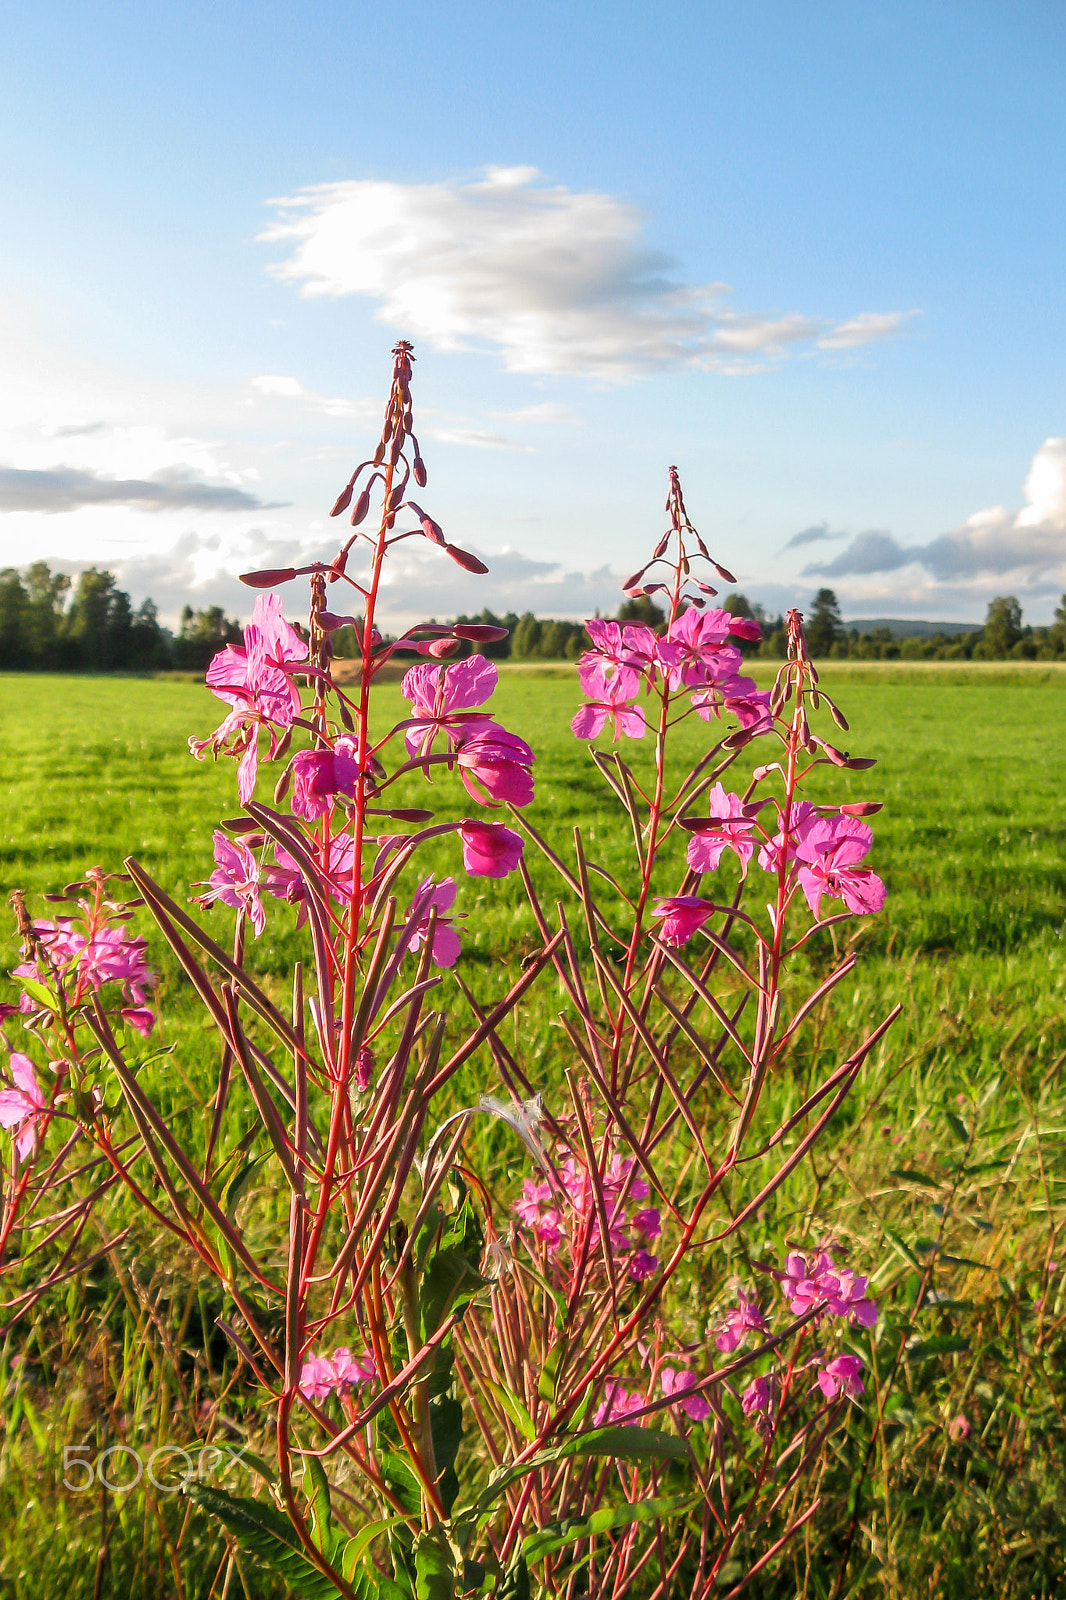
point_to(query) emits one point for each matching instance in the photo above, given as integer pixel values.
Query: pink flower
(536, 1211)
(829, 853)
(696, 650)
(759, 1402)
(725, 828)
(317, 775)
(642, 1265)
(22, 1106)
(609, 698)
(842, 1374)
(250, 678)
(139, 1017)
(622, 652)
(682, 915)
(810, 1283)
(318, 1378)
(959, 1428)
(352, 1372)
(446, 945)
(677, 1383)
(618, 1403)
(489, 849)
(742, 1319)
(107, 956)
(648, 1224)
(802, 816)
(364, 1068)
(436, 693)
(496, 764)
(235, 880)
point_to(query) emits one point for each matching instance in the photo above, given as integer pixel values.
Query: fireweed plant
(473, 1392)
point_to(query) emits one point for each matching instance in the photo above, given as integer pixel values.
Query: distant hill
(908, 628)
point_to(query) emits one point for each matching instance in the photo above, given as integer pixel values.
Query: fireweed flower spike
(414, 1306)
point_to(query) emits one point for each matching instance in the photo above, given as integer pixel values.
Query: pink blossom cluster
(554, 1214)
(822, 855)
(817, 1281)
(321, 1376)
(674, 1381)
(695, 654)
(93, 954)
(494, 765)
(254, 679)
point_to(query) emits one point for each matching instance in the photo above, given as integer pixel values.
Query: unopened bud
(660, 548)
(837, 715)
(723, 572)
(361, 507)
(479, 632)
(632, 582)
(861, 808)
(464, 559)
(859, 763)
(281, 788)
(420, 471)
(345, 716)
(343, 501)
(268, 577)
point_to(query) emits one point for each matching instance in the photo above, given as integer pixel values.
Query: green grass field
(946, 1173)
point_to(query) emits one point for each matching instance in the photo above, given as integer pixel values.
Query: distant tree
(47, 595)
(1003, 625)
(150, 644)
(99, 622)
(642, 609)
(15, 643)
(201, 635)
(824, 625)
(525, 641)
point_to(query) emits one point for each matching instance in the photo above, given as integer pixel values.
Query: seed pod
(463, 558)
(268, 577)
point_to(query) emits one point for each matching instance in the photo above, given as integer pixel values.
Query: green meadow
(944, 1174)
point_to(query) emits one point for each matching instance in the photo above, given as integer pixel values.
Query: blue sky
(813, 255)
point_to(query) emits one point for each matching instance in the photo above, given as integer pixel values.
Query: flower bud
(479, 632)
(345, 716)
(632, 582)
(268, 577)
(861, 808)
(859, 763)
(420, 471)
(723, 572)
(361, 507)
(281, 788)
(463, 558)
(660, 548)
(343, 501)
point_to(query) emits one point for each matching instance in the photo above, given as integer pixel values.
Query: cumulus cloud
(419, 581)
(1029, 545)
(60, 489)
(557, 280)
(276, 386)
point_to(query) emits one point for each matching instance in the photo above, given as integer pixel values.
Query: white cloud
(863, 329)
(557, 280)
(994, 548)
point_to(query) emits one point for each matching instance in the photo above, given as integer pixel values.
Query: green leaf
(446, 1426)
(557, 1534)
(514, 1409)
(397, 1472)
(316, 1488)
(908, 1175)
(261, 1529)
(434, 1567)
(360, 1543)
(942, 1345)
(549, 1373)
(629, 1442)
(38, 991)
(515, 1585)
(900, 1247)
(451, 1280)
(958, 1127)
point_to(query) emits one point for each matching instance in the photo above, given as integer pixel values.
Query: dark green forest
(50, 622)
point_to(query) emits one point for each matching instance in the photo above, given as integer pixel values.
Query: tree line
(50, 622)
